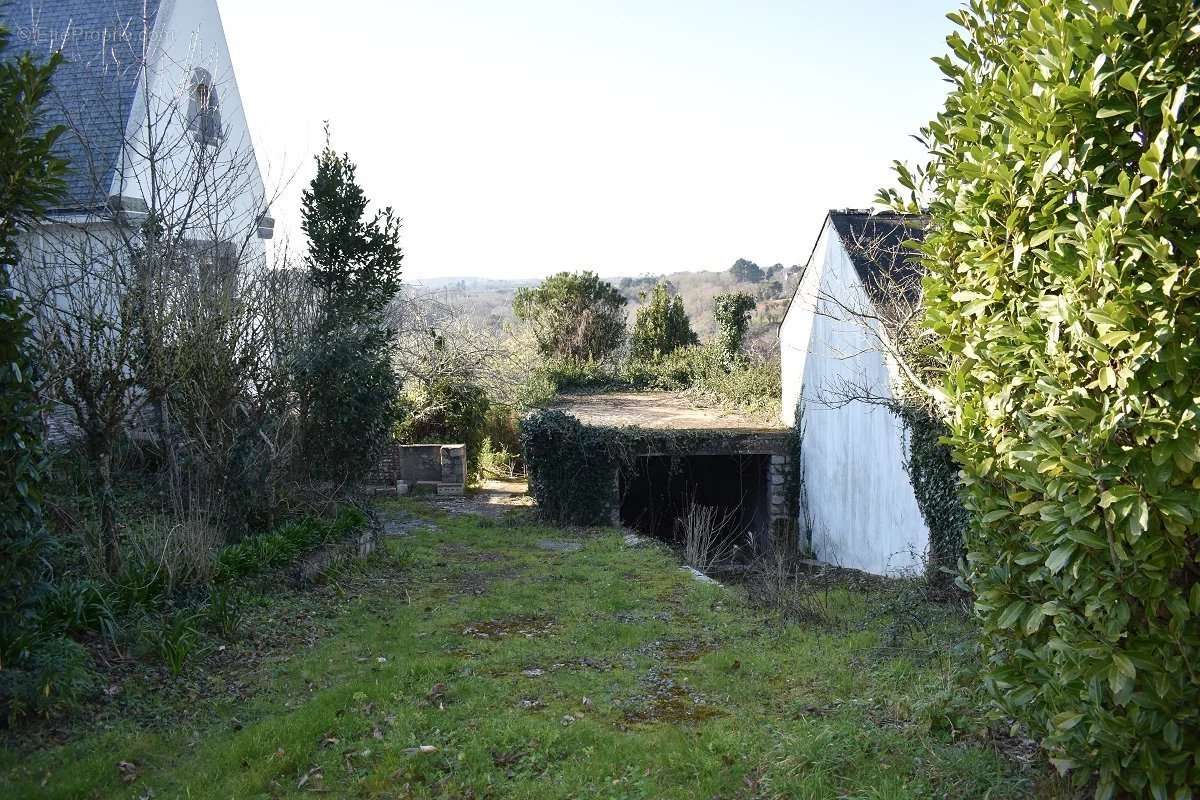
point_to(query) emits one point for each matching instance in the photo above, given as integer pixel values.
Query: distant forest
(488, 301)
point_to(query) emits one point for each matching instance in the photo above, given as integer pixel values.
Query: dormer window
(204, 109)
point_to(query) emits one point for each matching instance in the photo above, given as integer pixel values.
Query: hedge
(1063, 285)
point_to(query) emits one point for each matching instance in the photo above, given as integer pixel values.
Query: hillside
(488, 301)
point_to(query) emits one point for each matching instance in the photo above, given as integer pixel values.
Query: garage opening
(658, 491)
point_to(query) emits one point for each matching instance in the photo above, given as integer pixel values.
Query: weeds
(183, 548)
(80, 606)
(707, 536)
(140, 584)
(53, 674)
(775, 582)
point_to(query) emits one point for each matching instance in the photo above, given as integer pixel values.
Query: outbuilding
(840, 379)
(643, 459)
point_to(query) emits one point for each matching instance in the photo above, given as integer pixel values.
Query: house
(154, 124)
(840, 371)
(154, 129)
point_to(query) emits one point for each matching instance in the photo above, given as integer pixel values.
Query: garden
(435, 668)
(201, 595)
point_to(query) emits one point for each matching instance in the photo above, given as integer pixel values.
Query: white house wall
(796, 330)
(189, 35)
(859, 498)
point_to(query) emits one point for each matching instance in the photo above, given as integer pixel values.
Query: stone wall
(780, 519)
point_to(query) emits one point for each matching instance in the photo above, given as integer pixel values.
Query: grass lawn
(467, 662)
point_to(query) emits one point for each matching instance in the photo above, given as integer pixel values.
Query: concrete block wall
(444, 464)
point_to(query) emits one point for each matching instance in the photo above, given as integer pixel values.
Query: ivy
(933, 473)
(574, 468)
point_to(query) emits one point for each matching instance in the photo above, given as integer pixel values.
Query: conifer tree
(661, 326)
(347, 385)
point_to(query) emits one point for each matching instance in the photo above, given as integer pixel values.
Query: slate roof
(94, 88)
(874, 242)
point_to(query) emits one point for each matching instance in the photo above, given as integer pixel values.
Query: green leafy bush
(348, 389)
(572, 467)
(574, 316)
(1064, 289)
(54, 674)
(32, 181)
(661, 326)
(447, 410)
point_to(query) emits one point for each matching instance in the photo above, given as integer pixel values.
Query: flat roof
(664, 411)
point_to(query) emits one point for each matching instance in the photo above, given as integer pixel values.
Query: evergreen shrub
(1063, 284)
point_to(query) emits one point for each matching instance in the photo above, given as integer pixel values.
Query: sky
(521, 138)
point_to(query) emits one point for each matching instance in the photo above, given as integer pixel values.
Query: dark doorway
(658, 491)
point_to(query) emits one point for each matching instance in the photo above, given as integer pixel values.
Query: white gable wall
(860, 500)
(187, 35)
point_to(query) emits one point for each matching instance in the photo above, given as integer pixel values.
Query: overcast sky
(520, 138)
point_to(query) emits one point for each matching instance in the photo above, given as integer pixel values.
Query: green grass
(689, 693)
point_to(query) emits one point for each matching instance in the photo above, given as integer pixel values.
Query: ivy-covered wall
(574, 469)
(934, 475)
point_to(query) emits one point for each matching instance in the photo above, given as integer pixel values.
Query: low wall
(420, 464)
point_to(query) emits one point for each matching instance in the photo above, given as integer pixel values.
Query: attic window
(204, 109)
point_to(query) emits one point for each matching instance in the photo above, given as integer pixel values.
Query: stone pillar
(780, 516)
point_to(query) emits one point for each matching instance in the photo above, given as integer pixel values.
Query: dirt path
(490, 499)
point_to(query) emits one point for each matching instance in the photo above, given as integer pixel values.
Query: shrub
(661, 326)
(348, 390)
(567, 376)
(349, 403)
(745, 383)
(181, 547)
(447, 410)
(574, 316)
(572, 467)
(32, 181)
(1062, 282)
(54, 674)
(496, 461)
(732, 312)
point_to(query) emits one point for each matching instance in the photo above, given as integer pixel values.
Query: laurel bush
(1063, 284)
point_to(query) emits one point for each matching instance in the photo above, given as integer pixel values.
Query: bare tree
(438, 340)
(162, 291)
(887, 310)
